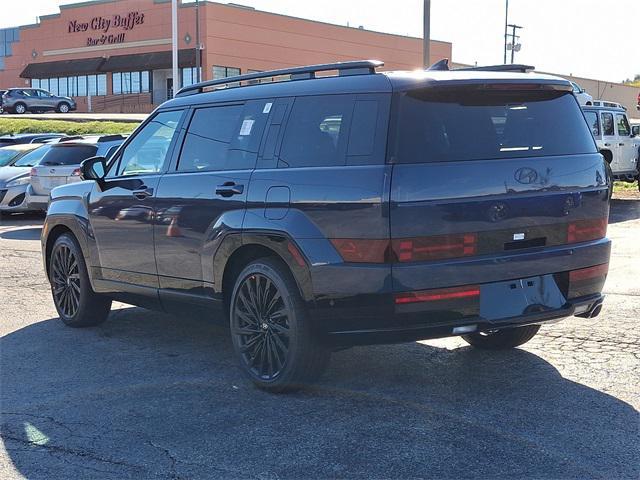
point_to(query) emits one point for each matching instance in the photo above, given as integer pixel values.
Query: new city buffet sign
(99, 28)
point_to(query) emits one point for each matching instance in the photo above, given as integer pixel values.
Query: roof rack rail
(443, 65)
(111, 137)
(358, 67)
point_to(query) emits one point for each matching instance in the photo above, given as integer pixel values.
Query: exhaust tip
(596, 311)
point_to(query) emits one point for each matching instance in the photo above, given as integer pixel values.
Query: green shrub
(26, 125)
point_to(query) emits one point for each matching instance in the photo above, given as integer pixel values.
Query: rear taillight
(76, 172)
(362, 250)
(585, 230)
(33, 172)
(435, 248)
(454, 293)
(588, 273)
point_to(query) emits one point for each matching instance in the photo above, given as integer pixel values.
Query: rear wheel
(76, 302)
(271, 332)
(20, 108)
(502, 339)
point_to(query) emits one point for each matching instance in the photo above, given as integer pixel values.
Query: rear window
(68, 154)
(454, 125)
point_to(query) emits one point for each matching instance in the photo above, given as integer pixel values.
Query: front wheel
(63, 108)
(76, 302)
(273, 338)
(502, 339)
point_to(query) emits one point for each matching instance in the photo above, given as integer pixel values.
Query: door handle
(621, 144)
(142, 193)
(607, 144)
(228, 189)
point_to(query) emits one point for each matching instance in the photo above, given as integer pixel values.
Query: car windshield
(32, 158)
(8, 155)
(61, 154)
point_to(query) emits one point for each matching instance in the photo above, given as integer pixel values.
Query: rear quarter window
(432, 125)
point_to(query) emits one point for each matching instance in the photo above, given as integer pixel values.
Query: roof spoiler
(443, 65)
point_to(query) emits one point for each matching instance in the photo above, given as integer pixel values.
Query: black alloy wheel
(65, 278)
(261, 325)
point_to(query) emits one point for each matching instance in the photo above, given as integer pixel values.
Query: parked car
(617, 142)
(315, 213)
(61, 165)
(18, 138)
(581, 94)
(22, 100)
(14, 178)
(2, 92)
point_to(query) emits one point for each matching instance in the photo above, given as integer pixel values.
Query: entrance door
(169, 88)
(121, 212)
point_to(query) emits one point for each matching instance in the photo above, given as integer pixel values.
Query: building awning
(62, 68)
(115, 63)
(148, 61)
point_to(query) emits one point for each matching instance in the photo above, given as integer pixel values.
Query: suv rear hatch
(60, 164)
(490, 184)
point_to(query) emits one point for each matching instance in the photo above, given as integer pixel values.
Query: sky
(587, 38)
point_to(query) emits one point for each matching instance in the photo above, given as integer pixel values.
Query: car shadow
(622, 210)
(31, 233)
(149, 395)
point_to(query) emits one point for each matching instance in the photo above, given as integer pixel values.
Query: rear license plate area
(513, 298)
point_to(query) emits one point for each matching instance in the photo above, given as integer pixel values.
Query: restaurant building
(115, 55)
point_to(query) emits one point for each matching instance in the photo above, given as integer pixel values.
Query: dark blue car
(363, 207)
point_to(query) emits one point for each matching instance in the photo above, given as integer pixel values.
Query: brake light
(33, 172)
(585, 230)
(454, 293)
(436, 247)
(76, 172)
(361, 250)
(589, 273)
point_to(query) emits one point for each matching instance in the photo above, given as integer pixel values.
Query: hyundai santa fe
(355, 208)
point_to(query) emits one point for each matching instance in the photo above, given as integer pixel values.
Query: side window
(623, 125)
(317, 132)
(147, 151)
(592, 121)
(362, 134)
(223, 138)
(607, 124)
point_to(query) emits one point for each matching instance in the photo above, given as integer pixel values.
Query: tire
(280, 352)
(63, 107)
(502, 339)
(76, 302)
(20, 108)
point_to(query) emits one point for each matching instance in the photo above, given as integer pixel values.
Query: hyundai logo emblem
(526, 175)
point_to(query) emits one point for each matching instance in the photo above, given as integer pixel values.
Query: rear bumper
(36, 202)
(586, 307)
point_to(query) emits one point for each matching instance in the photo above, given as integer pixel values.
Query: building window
(75, 86)
(189, 76)
(130, 82)
(224, 72)
(7, 37)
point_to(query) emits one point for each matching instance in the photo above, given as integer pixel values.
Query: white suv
(581, 94)
(620, 147)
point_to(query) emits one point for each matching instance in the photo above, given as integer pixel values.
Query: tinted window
(607, 123)
(209, 137)
(147, 150)
(454, 125)
(33, 158)
(623, 125)
(61, 154)
(317, 132)
(592, 121)
(363, 128)
(224, 138)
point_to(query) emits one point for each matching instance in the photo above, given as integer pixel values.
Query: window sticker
(247, 125)
(267, 107)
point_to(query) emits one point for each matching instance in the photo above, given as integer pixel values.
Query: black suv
(322, 212)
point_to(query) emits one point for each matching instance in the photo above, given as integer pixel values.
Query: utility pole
(174, 46)
(515, 47)
(506, 21)
(426, 34)
(198, 59)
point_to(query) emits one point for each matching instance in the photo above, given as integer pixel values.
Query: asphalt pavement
(154, 396)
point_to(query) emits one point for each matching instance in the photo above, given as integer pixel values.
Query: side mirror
(93, 168)
(635, 130)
